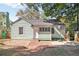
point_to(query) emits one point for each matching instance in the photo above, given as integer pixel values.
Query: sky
(12, 8)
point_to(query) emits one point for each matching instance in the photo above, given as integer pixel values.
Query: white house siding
(59, 33)
(56, 34)
(27, 30)
(35, 32)
(44, 36)
(41, 35)
(61, 29)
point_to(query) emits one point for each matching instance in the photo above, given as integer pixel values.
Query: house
(33, 29)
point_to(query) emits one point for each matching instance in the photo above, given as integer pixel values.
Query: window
(52, 30)
(44, 29)
(62, 27)
(20, 30)
(48, 29)
(4, 23)
(59, 26)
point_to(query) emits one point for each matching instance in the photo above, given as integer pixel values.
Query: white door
(36, 35)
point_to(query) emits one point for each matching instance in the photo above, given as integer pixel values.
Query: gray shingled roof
(39, 22)
(34, 22)
(54, 21)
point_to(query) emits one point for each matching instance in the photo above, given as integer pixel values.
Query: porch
(43, 32)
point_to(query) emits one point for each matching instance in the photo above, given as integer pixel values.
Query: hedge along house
(32, 29)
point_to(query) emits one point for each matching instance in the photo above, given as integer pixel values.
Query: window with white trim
(52, 30)
(20, 30)
(44, 29)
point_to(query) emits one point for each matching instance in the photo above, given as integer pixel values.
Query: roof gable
(34, 22)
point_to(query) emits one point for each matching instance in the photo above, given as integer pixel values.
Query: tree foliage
(67, 13)
(29, 14)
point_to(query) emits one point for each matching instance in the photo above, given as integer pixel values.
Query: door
(36, 35)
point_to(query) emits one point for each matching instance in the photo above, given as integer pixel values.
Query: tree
(29, 14)
(67, 12)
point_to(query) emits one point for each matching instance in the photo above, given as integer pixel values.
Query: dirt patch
(24, 45)
(35, 46)
(39, 48)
